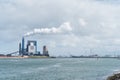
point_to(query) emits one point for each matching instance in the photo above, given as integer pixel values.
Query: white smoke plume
(64, 28)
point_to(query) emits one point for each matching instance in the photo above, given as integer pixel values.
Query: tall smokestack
(20, 49)
(23, 42)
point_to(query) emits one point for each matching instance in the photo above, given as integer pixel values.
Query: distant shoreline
(13, 57)
(54, 57)
(1, 57)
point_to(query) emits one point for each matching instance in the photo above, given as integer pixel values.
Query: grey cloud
(100, 24)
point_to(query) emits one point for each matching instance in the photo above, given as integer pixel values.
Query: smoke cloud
(64, 28)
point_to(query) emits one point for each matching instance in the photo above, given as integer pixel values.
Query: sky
(67, 27)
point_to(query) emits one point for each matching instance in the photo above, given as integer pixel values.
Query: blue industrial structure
(23, 44)
(20, 51)
(31, 49)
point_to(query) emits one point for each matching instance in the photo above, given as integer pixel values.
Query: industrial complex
(30, 49)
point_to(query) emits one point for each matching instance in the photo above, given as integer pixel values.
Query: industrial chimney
(20, 51)
(23, 43)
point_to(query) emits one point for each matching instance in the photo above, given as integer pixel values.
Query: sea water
(58, 69)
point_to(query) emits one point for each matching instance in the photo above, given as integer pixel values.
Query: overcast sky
(77, 26)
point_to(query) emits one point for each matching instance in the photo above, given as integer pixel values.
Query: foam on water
(57, 65)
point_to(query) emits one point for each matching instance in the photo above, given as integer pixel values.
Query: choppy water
(57, 69)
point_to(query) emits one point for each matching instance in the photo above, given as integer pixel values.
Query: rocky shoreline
(114, 77)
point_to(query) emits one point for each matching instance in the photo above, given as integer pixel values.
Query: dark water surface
(58, 69)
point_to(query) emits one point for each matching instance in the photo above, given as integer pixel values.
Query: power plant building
(31, 49)
(45, 51)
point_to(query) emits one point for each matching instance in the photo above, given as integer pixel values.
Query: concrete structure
(31, 47)
(45, 51)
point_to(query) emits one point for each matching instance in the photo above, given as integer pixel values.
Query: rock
(114, 77)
